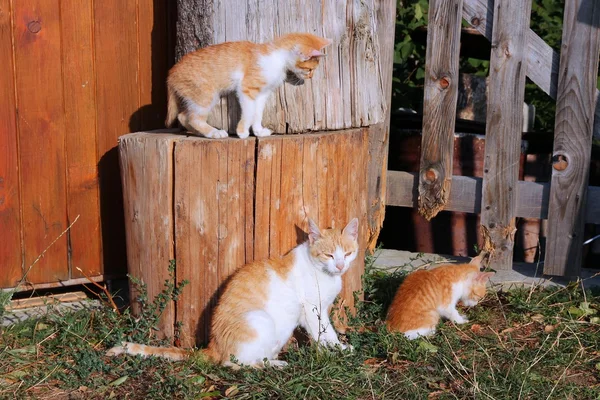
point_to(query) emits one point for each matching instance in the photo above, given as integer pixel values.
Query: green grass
(520, 344)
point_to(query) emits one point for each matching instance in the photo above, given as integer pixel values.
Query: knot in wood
(560, 162)
(34, 26)
(444, 82)
(475, 21)
(430, 175)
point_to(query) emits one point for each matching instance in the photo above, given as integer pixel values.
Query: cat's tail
(170, 353)
(172, 107)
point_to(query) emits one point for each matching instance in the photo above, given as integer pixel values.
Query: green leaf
(210, 394)
(418, 11)
(428, 347)
(420, 74)
(587, 310)
(118, 381)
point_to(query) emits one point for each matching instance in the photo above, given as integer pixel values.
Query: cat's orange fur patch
(418, 299)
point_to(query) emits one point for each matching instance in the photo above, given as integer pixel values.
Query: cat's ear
(324, 43)
(313, 231)
(484, 276)
(314, 53)
(351, 229)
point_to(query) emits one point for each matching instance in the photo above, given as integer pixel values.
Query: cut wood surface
(41, 126)
(439, 105)
(531, 202)
(347, 89)
(232, 201)
(11, 262)
(503, 129)
(147, 173)
(576, 102)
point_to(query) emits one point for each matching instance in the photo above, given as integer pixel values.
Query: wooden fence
(567, 201)
(76, 75)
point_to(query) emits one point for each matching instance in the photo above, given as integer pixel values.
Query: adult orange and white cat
(265, 301)
(251, 70)
(426, 295)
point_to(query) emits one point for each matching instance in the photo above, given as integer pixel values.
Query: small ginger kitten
(427, 295)
(251, 70)
(266, 300)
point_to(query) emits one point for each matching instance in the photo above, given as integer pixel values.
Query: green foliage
(523, 343)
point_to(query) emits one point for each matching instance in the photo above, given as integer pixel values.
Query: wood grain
(41, 126)
(117, 103)
(305, 176)
(210, 236)
(347, 89)
(576, 102)
(379, 133)
(147, 176)
(81, 152)
(439, 105)
(542, 60)
(11, 261)
(504, 127)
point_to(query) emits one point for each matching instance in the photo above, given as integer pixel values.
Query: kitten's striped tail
(172, 107)
(170, 353)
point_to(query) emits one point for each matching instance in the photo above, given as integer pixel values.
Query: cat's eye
(328, 255)
(348, 254)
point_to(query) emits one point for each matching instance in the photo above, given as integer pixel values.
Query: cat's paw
(117, 350)
(277, 364)
(347, 347)
(217, 134)
(262, 132)
(243, 134)
(460, 320)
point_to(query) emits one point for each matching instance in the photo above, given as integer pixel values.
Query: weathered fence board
(542, 60)
(531, 202)
(503, 129)
(10, 214)
(576, 102)
(41, 125)
(81, 152)
(147, 173)
(439, 105)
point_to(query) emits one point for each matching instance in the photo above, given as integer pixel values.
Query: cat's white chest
(274, 67)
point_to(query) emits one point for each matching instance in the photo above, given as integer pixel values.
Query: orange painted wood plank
(41, 137)
(117, 103)
(80, 111)
(153, 62)
(11, 262)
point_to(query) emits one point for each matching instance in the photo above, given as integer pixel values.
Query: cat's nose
(339, 266)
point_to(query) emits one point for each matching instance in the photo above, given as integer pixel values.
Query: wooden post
(439, 105)
(503, 129)
(576, 102)
(380, 133)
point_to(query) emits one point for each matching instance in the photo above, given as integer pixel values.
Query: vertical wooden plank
(209, 240)
(41, 136)
(117, 100)
(11, 262)
(508, 67)
(153, 62)
(80, 111)
(439, 105)
(576, 101)
(379, 133)
(147, 175)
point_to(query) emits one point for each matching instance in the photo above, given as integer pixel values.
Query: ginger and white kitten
(427, 295)
(265, 301)
(251, 70)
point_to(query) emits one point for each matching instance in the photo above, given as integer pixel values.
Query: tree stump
(214, 205)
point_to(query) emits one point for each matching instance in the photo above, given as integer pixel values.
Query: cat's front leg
(257, 128)
(248, 106)
(453, 315)
(316, 322)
